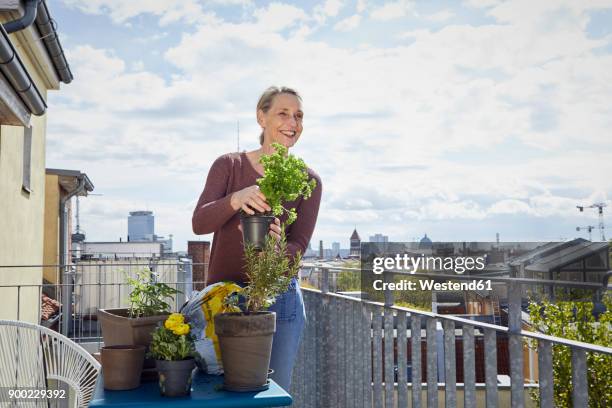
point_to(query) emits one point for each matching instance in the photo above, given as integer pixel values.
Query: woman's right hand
(249, 199)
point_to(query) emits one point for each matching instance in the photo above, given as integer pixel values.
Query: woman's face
(283, 121)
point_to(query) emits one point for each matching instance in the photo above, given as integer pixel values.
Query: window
(27, 159)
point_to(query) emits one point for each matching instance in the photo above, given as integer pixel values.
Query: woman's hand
(249, 199)
(275, 230)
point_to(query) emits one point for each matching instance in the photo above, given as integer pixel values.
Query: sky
(458, 120)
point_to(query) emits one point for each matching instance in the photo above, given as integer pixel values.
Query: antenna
(238, 135)
(79, 235)
(600, 207)
(78, 224)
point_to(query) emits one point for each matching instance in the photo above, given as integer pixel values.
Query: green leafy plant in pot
(134, 325)
(245, 338)
(285, 179)
(173, 349)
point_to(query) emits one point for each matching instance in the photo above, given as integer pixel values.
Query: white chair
(31, 355)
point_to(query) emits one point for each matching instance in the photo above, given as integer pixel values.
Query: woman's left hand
(275, 229)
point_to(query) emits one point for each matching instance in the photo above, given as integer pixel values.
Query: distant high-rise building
(335, 249)
(355, 244)
(380, 238)
(141, 226)
(321, 253)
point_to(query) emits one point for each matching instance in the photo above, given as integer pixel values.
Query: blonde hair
(266, 99)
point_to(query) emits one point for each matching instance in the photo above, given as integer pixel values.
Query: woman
(231, 187)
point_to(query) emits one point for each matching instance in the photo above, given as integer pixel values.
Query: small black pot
(255, 228)
(175, 377)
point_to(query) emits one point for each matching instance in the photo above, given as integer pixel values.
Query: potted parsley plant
(285, 179)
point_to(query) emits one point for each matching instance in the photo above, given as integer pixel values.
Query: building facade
(199, 251)
(60, 186)
(28, 69)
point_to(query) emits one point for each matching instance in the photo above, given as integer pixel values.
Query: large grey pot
(246, 346)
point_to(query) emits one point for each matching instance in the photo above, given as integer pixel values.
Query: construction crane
(589, 228)
(600, 207)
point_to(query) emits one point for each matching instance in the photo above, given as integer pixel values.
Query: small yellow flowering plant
(173, 341)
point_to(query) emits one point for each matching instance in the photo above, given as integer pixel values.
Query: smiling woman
(231, 187)
(280, 110)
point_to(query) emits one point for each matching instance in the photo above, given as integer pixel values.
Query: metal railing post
(515, 345)
(387, 278)
(66, 299)
(580, 385)
(545, 371)
(324, 280)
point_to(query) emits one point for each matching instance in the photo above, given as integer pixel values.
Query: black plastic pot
(255, 228)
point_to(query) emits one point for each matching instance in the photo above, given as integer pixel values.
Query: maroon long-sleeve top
(213, 213)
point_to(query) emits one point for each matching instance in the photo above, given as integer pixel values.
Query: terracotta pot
(119, 329)
(255, 228)
(175, 377)
(245, 341)
(122, 366)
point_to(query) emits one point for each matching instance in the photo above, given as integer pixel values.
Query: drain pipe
(66, 273)
(26, 20)
(49, 36)
(36, 11)
(16, 74)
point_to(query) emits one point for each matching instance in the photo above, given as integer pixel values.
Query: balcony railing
(90, 285)
(352, 348)
(357, 353)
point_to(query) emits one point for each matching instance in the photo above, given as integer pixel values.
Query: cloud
(279, 16)
(440, 16)
(361, 6)
(482, 3)
(330, 8)
(392, 10)
(509, 207)
(168, 11)
(232, 2)
(348, 24)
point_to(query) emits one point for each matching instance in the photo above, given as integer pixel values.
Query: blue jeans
(290, 320)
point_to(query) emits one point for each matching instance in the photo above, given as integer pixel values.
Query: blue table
(205, 392)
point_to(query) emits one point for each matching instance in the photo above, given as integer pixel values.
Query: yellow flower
(180, 329)
(178, 317)
(174, 320)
